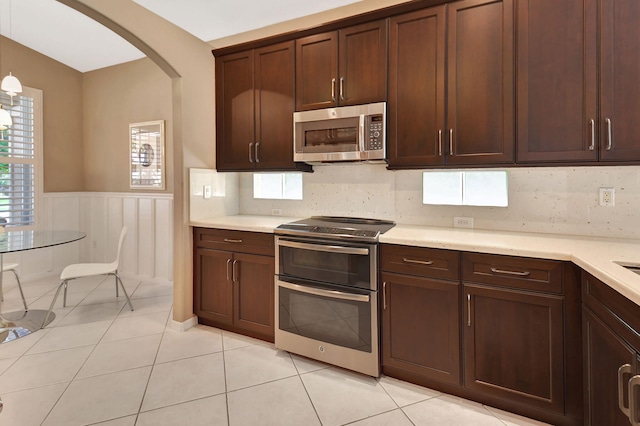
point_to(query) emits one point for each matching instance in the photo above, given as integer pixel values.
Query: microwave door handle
(324, 248)
(362, 132)
(333, 294)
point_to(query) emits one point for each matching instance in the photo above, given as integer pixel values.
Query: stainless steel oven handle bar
(321, 247)
(325, 293)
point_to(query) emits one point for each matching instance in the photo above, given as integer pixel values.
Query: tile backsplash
(557, 200)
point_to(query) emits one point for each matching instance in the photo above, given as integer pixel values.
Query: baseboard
(185, 325)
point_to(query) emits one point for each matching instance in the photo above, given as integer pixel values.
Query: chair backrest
(123, 234)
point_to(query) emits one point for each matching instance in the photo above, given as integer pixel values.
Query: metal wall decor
(146, 141)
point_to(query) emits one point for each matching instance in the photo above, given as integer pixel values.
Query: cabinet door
(253, 293)
(557, 105)
(317, 71)
(235, 112)
(420, 326)
(416, 88)
(514, 345)
(274, 103)
(604, 354)
(620, 74)
(213, 286)
(480, 113)
(363, 64)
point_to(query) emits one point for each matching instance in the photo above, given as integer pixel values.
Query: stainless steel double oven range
(327, 290)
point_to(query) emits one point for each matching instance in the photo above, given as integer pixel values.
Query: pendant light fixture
(5, 119)
(10, 83)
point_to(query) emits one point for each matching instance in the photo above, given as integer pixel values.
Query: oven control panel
(375, 128)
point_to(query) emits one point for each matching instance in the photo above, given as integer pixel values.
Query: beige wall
(114, 97)
(62, 106)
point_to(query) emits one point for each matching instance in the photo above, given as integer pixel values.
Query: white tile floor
(100, 363)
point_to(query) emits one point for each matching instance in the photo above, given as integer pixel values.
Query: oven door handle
(326, 293)
(321, 247)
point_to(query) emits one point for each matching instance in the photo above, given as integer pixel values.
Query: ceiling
(57, 31)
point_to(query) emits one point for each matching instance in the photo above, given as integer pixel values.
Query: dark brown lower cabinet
(234, 290)
(611, 342)
(421, 331)
(513, 345)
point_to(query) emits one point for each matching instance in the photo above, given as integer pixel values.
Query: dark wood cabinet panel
(480, 112)
(420, 261)
(605, 352)
(420, 326)
(254, 108)
(345, 67)
(213, 293)
(254, 293)
(513, 343)
(233, 287)
(620, 73)
(362, 63)
(557, 105)
(416, 105)
(234, 111)
(317, 71)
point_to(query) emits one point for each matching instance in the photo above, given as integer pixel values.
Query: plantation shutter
(18, 163)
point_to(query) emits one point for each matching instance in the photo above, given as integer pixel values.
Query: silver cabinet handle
(624, 369)
(514, 273)
(418, 262)
(384, 295)
(325, 293)
(440, 142)
(229, 276)
(324, 248)
(468, 309)
(251, 152)
(257, 152)
(633, 384)
(235, 271)
(451, 142)
(592, 123)
(333, 89)
(342, 88)
(229, 240)
(609, 137)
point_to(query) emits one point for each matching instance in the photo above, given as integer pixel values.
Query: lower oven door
(333, 324)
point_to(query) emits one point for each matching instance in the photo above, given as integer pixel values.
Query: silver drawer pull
(633, 411)
(418, 262)
(229, 273)
(228, 240)
(624, 369)
(514, 273)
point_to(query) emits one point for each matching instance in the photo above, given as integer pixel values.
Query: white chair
(13, 267)
(80, 270)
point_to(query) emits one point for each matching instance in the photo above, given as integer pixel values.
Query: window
(20, 160)
(277, 186)
(469, 188)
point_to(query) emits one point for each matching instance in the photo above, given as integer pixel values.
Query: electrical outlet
(607, 197)
(463, 222)
(207, 191)
(276, 212)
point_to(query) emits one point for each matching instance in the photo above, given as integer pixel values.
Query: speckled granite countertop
(598, 256)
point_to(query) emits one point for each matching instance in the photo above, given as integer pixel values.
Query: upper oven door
(332, 262)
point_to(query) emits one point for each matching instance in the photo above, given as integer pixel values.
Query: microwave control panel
(375, 127)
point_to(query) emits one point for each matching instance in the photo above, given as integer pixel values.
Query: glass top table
(20, 323)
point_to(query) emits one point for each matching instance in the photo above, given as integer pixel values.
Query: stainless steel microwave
(351, 133)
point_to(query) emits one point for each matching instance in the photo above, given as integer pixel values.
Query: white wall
(557, 200)
(147, 250)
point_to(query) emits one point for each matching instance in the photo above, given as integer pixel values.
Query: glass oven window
(352, 270)
(340, 322)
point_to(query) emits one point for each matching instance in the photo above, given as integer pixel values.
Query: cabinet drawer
(420, 261)
(515, 272)
(236, 241)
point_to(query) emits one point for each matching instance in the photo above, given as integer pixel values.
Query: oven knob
(321, 348)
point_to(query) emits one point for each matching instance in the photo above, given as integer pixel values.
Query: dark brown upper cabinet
(451, 95)
(577, 103)
(344, 67)
(254, 109)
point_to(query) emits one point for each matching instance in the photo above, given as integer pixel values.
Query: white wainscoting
(147, 250)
